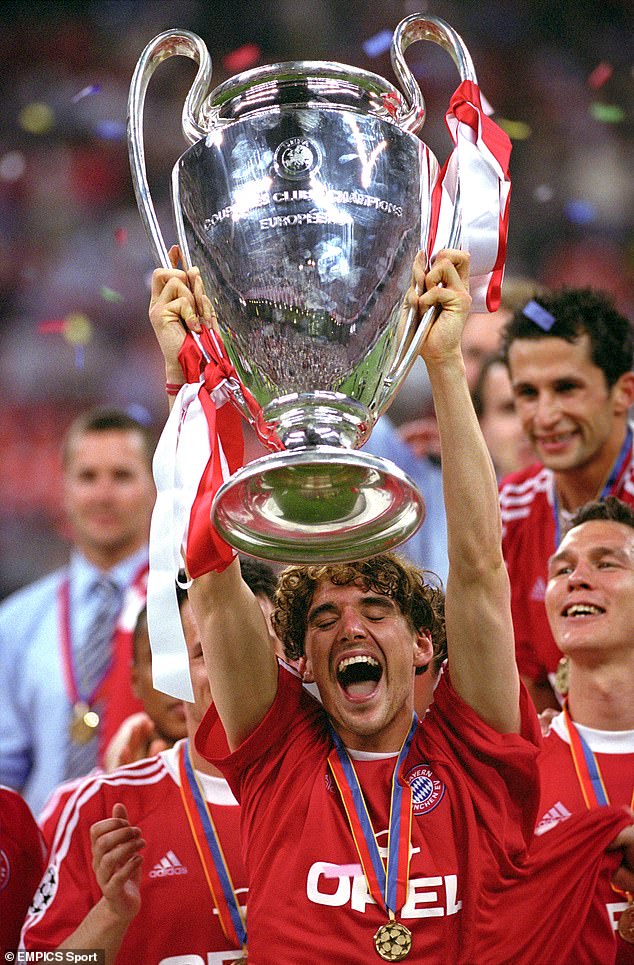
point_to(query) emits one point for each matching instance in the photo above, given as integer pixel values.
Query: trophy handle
(171, 43)
(409, 31)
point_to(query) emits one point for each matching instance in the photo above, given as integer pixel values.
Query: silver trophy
(303, 199)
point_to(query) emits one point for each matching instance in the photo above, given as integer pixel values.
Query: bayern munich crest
(427, 790)
(296, 157)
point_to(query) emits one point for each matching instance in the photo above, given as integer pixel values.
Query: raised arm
(240, 661)
(477, 607)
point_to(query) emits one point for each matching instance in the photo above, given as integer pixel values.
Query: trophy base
(319, 505)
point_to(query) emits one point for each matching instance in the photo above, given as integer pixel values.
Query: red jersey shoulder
(93, 795)
(519, 490)
(21, 843)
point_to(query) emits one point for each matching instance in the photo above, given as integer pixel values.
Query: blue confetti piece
(80, 356)
(377, 45)
(137, 411)
(110, 130)
(580, 212)
(539, 315)
(86, 92)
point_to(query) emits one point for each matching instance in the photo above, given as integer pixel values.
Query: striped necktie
(91, 660)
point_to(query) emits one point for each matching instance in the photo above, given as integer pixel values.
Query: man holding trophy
(314, 779)
(304, 200)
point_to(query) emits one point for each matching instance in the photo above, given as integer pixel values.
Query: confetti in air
(12, 166)
(607, 113)
(121, 237)
(543, 193)
(600, 75)
(580, 212)
(110, 295)
(110, 130)
(516, 130)
(243, 58)
(36, 118)
(378, 44)
(76, 329)
(86, 92)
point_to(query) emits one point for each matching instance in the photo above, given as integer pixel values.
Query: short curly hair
(422, 603)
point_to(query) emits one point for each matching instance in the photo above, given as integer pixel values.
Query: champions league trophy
(303, 199)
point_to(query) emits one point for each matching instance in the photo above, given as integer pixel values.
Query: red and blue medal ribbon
(589, 776)
(388, 888)
(608, 490)
(586, 766)
(210, 851)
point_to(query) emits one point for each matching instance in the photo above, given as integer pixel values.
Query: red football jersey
(177, 916)
(475, 796)
(21, 864)
(529, 535)
(561, 796)
(52, 810)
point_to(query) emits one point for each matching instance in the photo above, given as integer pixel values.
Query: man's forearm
(101, 928)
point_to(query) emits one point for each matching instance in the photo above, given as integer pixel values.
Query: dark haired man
(588, 756)
(570, 360)
(55, 693)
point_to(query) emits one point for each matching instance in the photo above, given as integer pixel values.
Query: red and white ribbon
(479, 167)
(200, 448)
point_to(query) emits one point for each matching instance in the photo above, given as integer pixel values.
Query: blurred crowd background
(74, 263)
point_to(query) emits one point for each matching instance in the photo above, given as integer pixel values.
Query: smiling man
(570, 358)
(588, 756)
(321, 809)
(63, 660)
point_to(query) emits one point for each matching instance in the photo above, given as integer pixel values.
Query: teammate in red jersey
(22, 854)
(588, 756)
(570, 357)
(144, 830)
(316, 782)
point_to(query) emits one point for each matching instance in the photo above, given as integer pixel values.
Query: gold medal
(393, 941)
(626, 924)
(83, 726)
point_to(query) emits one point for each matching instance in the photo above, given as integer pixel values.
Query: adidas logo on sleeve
(168, 865)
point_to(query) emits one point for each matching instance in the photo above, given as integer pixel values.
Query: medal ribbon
(613, 478)
(210, 851)
(589, 774)
(586, 766)
(389, 890)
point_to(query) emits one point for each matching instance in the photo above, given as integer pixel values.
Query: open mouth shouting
(358, 676)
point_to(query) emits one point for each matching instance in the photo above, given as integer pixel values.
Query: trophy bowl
(303, 199)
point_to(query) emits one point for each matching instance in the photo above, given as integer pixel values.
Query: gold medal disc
(83, 726)
(393, 941)
(626, 924)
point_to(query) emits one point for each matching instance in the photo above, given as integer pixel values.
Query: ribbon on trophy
(475, 176)
(200, 448)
